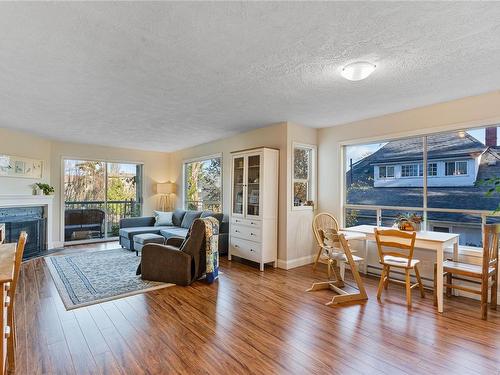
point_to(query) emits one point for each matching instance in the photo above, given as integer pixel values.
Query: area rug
(92, 277)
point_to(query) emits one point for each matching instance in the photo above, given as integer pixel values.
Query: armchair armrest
(175, 242)
(144, 221)
(166, 264)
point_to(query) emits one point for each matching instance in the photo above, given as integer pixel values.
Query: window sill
(302, 208)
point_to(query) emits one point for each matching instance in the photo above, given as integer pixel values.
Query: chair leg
(435, 285)
(484, 297)
(408, 288)
(494, 290)
(386, 282)
(381, 283)
(317, 259)
(420, 284)
(329, 268)
(449, 280)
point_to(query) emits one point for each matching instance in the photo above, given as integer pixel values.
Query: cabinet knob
(252, 223)
(236, 246)
(252, 250)
(237, 231)
(6, 332)
(252, 234)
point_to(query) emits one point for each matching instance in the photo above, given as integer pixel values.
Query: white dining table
(428, 240)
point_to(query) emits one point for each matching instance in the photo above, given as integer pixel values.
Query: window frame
(455, 168)
(387, 177)
(415, 165)
(200, 159)
(311, 180)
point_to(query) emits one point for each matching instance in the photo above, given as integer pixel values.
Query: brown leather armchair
(178, 261)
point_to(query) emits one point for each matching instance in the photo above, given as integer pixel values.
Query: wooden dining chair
(11, 340)
(395, 249)
(485, 272)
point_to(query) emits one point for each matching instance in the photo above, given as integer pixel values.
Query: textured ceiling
(164, 76)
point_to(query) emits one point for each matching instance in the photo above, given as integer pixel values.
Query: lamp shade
(165, 188)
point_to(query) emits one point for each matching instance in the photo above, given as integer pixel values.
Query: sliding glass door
(97, 194)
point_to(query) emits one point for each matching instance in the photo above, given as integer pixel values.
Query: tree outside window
(203, 184)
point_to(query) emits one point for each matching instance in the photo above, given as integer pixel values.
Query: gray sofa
(181, 221)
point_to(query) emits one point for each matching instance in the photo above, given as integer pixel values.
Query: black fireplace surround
(31, 220)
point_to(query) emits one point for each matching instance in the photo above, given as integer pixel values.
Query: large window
(97, 195)
(303, 183)
(202, 188)
(459, 192)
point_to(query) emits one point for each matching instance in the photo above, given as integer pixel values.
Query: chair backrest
(23, 237)
(395, 243)
(194, 245)
(322, 222)
(490, 245)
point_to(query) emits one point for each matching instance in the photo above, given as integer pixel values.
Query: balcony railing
(444, 219)
(114, 211)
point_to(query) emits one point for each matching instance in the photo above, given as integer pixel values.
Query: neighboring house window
(303, 175)
(409, 170)
(386, 172)
(202, 189)
(455, 168)
(431, 169)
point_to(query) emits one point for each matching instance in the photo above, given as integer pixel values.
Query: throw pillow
(189, 217)
(163, 218)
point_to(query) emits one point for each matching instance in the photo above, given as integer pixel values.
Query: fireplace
(28, 219)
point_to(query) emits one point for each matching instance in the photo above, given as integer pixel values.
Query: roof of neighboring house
(439, 146)
(362, 191)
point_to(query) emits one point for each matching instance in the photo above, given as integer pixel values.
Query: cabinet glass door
(238, 184)
(253, 185)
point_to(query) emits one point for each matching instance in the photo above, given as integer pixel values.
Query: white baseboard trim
(297, 262)
(56, 245)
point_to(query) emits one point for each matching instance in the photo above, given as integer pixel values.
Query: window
(386, 172)
(409, 170)
(97, 195)
(456, 168)
(432, 169)
(445, 203)
(303, 175)
(202, 189)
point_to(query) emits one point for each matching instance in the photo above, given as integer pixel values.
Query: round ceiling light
(357, 71)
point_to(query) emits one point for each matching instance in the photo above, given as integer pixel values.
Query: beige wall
(52, 152)
(22, 144)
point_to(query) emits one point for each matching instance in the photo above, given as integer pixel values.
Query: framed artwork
(15, 166)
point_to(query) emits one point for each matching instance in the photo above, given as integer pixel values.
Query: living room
(205, 187)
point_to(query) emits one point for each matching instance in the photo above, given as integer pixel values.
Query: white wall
(52, 152)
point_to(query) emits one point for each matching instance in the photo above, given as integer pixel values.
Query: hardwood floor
(249, 322)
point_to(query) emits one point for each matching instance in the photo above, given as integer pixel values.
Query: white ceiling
(164, 76)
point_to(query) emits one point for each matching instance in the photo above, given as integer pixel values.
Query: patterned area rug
(92, 277)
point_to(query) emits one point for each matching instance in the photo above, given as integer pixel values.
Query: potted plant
(408, 221)
(45, 188)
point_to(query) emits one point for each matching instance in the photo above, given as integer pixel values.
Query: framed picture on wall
(15, 166)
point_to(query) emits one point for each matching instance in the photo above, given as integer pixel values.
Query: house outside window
(456, 168)
(409, 170)
(386, 171)
(303, 176)
(202, 186)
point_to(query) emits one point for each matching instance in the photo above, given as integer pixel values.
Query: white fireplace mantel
(18, 200)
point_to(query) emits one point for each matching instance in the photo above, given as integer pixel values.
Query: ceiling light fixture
(357, 71)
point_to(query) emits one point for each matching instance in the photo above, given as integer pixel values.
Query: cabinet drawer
(246, 233)
(246, 222)
(245, 249)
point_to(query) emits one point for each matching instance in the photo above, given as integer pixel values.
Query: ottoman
(143, 239)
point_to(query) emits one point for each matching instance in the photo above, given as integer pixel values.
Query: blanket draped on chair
(211, 248)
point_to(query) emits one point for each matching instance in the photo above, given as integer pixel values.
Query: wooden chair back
(490, 246)
(395, 243)
(322, 222)
(21, 243)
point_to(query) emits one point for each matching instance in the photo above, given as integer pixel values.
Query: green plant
(493, 185)
(46, 188)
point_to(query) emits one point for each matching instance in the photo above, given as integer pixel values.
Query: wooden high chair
(346, 292)
(399, 255)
